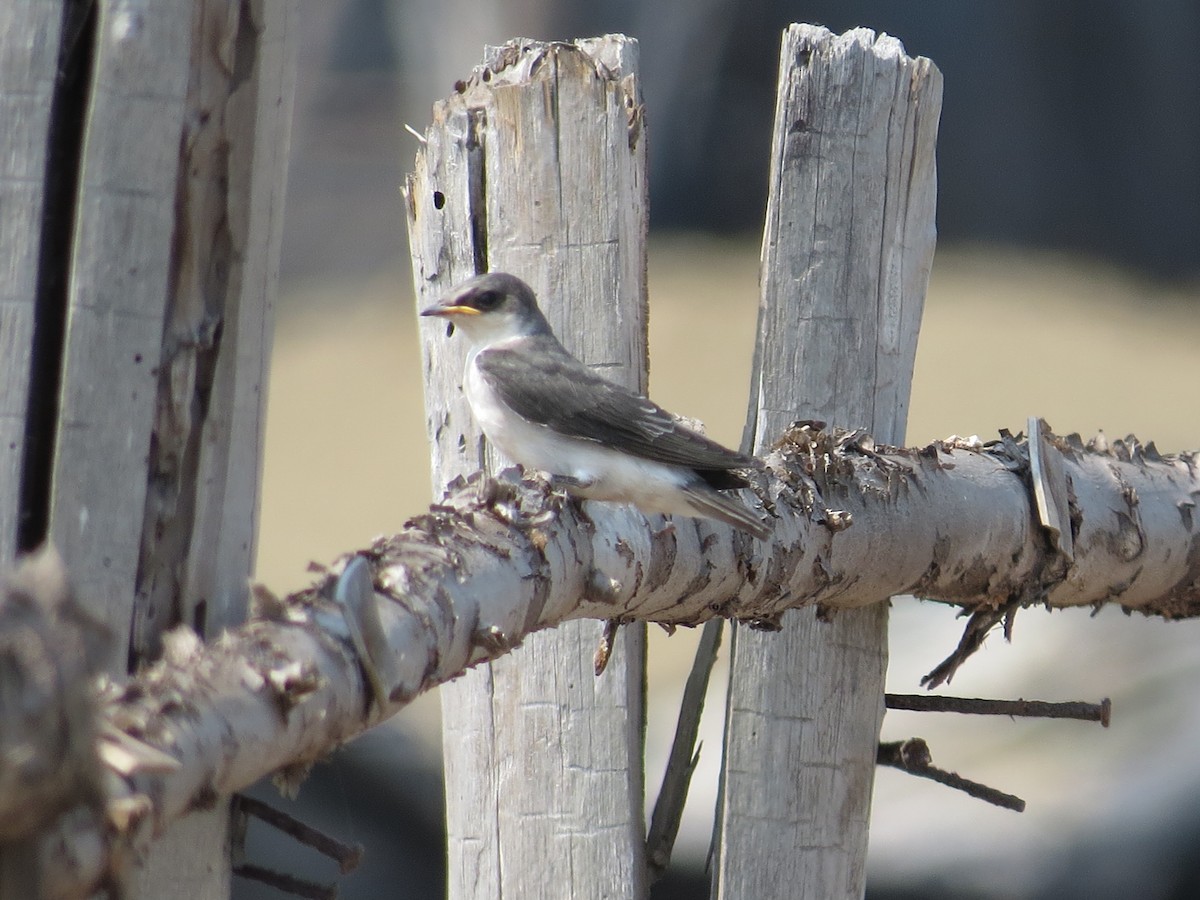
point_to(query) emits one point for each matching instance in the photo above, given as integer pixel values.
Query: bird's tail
(712, 504)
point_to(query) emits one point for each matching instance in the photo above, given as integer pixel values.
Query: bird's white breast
(610, 474)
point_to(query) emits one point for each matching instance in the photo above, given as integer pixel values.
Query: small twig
(668, 808)
(289, 884)
(977, 628)
(912, 756)
(605, 648)
(1040, 709)
(346, 856)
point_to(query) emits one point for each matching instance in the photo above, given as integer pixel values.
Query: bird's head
(491, 308)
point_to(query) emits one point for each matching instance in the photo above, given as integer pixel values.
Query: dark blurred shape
(363, 41)
(381, 792)
(1073, 126)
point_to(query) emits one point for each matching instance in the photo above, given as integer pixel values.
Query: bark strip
(501, 558)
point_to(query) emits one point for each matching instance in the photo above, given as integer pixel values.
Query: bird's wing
(541, 382)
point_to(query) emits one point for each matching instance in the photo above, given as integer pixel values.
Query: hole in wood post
(439, 199)
(64, 152)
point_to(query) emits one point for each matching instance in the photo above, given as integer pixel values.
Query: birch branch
(501, 558)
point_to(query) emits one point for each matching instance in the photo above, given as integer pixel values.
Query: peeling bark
(49, 648)
(500, 558)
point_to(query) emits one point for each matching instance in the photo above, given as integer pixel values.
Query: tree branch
(500, 558)
(347, 856)
(913, 756)
(681, 763)
(1038, 709)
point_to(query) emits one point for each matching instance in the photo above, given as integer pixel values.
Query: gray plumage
(545, 409)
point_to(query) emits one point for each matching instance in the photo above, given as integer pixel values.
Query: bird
(544, 409)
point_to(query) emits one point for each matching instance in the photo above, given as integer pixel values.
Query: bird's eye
(488, 300)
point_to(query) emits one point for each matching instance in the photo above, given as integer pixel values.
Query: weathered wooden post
(537, 166)
(143, 159)
(846, 256)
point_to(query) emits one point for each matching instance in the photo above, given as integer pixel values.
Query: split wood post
(147, 189)
(29, 61)
(846, 256)
(536, 166)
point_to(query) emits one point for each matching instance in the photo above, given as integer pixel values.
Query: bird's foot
(572, 491)
(570, 484)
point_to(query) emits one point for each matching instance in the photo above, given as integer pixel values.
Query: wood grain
(29, 51)
(846, 255)
(168, 251)
(199, 526)
(537, 167)
(120, 271)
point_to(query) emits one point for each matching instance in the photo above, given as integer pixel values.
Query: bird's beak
(449, 308)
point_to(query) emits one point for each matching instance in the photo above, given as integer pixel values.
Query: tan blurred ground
(1006, 334)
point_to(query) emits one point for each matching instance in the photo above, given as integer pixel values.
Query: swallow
(544, 409)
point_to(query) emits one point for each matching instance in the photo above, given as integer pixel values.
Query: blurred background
(1066, 285)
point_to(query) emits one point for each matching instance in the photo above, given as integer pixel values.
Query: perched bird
(546, 410)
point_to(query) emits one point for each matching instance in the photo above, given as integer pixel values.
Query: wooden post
(29, 66)
(537, 166)
(144, 319)
(846, 255)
